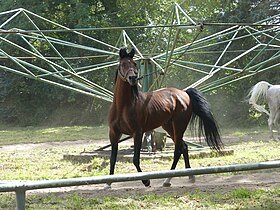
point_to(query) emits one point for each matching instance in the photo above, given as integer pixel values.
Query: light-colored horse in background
(271, 93)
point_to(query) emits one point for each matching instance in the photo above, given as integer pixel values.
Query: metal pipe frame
(209, 41)
(177, 17)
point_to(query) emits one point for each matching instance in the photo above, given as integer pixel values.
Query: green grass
(55, 134)
(240, 198)
(240, 132)
(19, 135)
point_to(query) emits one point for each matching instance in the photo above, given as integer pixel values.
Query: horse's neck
(123, 95)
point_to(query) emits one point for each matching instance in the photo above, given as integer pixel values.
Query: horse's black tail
(207, 125)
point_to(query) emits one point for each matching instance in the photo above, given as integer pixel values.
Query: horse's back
(159, 106)
(273, 96)
(172, 96)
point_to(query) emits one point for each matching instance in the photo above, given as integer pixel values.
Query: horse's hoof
(107, 186)
(192, 179)
(166, 184)
(146, 183)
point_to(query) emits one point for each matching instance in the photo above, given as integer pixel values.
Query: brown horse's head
(128, 71)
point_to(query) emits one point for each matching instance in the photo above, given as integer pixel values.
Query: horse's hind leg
(136, 156)
(271, 120)
(185, 152)
(177, 155)
(180, 148)
(169, 129)
(276, 123)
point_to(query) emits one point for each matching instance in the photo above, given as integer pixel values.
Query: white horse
(271, 93)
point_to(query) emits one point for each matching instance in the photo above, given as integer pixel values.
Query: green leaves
(22, 93)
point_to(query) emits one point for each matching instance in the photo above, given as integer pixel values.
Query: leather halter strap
(124, 75)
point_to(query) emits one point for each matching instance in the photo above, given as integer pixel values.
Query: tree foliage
(27, 102)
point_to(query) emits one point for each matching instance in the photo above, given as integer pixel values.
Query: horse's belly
(126, 128)
(156, 121)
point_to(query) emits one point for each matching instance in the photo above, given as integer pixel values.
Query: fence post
(20, 199)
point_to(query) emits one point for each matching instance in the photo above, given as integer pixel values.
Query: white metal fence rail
(20, 187)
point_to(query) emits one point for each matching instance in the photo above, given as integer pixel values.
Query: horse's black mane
(116, 75)
(135, 90)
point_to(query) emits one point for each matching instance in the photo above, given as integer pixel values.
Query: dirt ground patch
(180, 185)
(204, 183)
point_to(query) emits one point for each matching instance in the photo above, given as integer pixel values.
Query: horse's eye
(124, 65)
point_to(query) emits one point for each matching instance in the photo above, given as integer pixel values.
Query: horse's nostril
(132, 78)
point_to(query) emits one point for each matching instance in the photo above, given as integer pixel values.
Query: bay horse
(271, 93)
(134, 112)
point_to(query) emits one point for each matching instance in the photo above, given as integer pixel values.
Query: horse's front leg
(114, 139)
(136, 157)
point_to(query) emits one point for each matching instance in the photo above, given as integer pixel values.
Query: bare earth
(204, 183)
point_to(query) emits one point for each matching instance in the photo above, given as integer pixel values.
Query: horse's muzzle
(132, 80)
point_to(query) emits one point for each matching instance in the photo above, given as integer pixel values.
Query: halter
(124, 75)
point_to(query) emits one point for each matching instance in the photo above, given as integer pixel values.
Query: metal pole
(20, 199)
(146, 69)
(21, 187)
(33, 185)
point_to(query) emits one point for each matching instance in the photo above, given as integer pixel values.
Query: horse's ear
(132, 53)
(123, 52)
